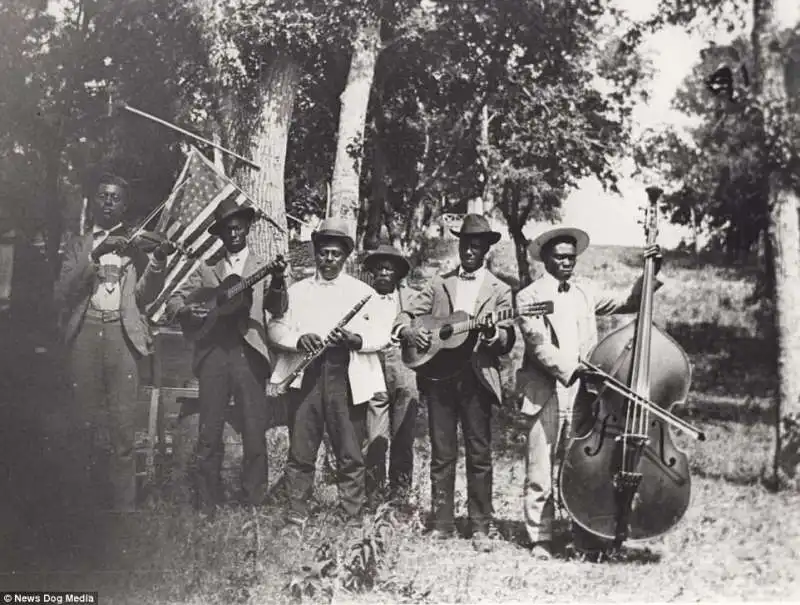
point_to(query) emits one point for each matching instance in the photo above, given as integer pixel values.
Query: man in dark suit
(100, 296)
(232, 360)
(468, 397)
(391, 414)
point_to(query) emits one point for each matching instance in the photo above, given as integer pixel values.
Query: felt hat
(475, 224)
(334, 228)
(579, 235)
(225, 210)
(385, 251)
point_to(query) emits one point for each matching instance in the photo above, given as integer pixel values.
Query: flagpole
(190, 134)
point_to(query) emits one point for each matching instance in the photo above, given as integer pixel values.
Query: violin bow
(665, 415)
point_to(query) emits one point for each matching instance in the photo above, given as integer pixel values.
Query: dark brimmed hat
(226, 209)
(334, 228)
(384, 251)
(579, 235)
(477, 225)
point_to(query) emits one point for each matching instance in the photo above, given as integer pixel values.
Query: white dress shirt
(234, 262)
(467, 290)
(316, 305)
(107, 296)
(567, 310)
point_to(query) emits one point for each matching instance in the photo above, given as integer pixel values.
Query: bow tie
(467, 276)
(564, 286)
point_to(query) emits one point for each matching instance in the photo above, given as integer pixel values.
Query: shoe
(541, 551)
(481, 542)
(441, 534)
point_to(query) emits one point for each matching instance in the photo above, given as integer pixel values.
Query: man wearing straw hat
(232, 360)
(468, 397)
(101, 293)
(391, 414)
(548, 379)
(332, 393)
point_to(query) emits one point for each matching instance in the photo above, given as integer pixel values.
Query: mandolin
(231, 295)
(453, 338)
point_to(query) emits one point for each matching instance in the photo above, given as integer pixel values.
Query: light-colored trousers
(548, 426)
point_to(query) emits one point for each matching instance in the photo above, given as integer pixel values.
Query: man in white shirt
(391, 414)
(332, 393)
(232, 360)
(548, 379)
(468, 396)
(102, 291)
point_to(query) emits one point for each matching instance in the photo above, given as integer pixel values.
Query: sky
(610, 218)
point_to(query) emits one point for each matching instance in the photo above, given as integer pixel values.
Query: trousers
(391, 417)
(104, 375)
(324, 403)
(232, 369)
(549, 429)
(461, 399)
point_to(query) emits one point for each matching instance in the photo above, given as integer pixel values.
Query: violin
(622, 476)
(147, 241)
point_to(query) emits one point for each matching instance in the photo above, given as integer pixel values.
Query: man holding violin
(104, 286)
(232, 360)
(551, 370)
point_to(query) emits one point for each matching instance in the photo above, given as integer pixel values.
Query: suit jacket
(437, 299)
(544, 362)
(252, 327)
(140, 282)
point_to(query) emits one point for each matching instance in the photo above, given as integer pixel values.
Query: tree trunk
(277, 90)
(378, 196)
(488, 192)
(352, 119)
(521, 250)
(784, 236)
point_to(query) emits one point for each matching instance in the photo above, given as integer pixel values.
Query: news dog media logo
(55, 598)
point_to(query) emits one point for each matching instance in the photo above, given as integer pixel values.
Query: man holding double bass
(468, 395)
(549, 377)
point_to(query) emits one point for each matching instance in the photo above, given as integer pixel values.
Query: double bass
(622, 477)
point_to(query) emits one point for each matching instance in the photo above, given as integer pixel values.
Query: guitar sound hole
(446, 332)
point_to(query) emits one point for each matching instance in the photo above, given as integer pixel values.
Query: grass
(736, 542)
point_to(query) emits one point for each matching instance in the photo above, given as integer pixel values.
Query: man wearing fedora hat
(548, 378)
(468, 396)
(391, 414)
(233, 359)
(332, 393)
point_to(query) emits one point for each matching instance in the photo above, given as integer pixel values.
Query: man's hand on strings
(417, 337)
(278, 270)
(112, 244)
(655, 253)
(488, 328)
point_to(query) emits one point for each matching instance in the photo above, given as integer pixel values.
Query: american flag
(187, 215)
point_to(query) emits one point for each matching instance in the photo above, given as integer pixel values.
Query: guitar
(453, 339)
(231, 295)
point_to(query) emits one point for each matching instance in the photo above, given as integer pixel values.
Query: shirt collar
(320, 281)
(98, 229)
(479, 273)
(552, 282)
(239, 256)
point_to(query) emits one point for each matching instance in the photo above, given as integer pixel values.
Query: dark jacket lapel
(449, 284)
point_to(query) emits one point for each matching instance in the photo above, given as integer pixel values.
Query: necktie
(564, 286)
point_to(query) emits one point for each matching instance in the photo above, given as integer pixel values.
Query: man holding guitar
(468, 393)
(226, 319)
